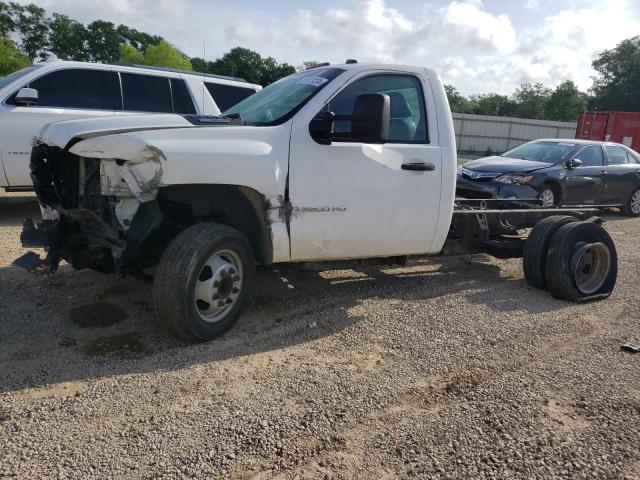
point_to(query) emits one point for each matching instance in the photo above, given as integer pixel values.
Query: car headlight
(514, 179)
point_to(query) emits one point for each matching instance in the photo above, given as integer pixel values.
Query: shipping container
(619, 127)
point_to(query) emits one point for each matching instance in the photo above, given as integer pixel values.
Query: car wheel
(582, 263)
(203, 281)
(534, 255)
(547, 198)
(632, 208)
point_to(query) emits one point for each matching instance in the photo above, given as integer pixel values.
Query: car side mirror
(27, 97)
(574, 163)
(370, 118)
(321, 126)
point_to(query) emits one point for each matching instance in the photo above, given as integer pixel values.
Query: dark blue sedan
(558, 172)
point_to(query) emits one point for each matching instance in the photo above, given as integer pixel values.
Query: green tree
(103, 42)
(139, 40)
(11, 58)
(7, 24)
(247, 64)
(308, 64)
(457, 102)
(166, 55)
(68, 38)
(239, 62)
(531, 100)
(272, 71)
(129, 55)
(32, 25)
(565, 103)
(617, 86)
(200, 65)
(493, 104)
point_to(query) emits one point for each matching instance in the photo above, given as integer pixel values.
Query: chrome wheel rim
(218, 285)
(547, 198)
(592, 266)
(635, 202)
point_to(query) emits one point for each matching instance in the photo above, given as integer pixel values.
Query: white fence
(479, 133)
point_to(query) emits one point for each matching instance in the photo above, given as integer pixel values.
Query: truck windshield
(4, 81)
(548, 152)
(278, 102)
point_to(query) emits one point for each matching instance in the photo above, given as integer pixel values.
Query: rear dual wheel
(582, 263)
(575, 261)
(534, 257)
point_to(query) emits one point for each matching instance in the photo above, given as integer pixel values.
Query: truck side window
(226, 96)
(408, 117)
(182, 102)
(146, 93)
(76, 88)
(617, 155)
(591, 156)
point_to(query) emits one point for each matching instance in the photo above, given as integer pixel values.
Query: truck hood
(59, 134)
(497, 164)
(220, 153)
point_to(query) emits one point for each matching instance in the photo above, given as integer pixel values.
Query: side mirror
(574, 163)
(370, 119)
(27, 97)
(321, 126)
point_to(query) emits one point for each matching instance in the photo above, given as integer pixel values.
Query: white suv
(59, 90)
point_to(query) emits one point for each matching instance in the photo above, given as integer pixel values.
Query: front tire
(203, 281)
(632, 208)
(547, 197)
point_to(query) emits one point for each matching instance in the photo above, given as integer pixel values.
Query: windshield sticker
(314, 81)
(567, 144)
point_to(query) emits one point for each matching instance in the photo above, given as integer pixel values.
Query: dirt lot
(449, 368)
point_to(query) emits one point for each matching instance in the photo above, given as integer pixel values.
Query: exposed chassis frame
(498, 226)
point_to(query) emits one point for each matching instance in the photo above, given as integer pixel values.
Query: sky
(478, 46)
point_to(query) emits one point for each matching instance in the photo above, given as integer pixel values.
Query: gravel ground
(449, 368)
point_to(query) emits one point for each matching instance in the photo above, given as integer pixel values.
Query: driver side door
(353, 199)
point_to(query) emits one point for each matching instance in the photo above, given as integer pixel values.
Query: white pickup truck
(337, 162)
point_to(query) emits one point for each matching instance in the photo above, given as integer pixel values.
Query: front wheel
(632, 208)
(203, 281)
(547, 197)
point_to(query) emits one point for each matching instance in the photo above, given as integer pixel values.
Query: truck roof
(380, 66)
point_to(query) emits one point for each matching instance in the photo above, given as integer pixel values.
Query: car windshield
(281, 100)
(548, 152)
(4, 81)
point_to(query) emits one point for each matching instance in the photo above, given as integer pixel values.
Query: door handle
(604, 172)
(419, 166)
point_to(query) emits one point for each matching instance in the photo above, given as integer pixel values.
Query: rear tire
(203, 281)
(582, 263)
(534, 256)
(632, 208)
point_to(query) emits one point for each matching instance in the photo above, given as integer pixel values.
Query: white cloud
(564, 46)
(476, 27)
(374, 31)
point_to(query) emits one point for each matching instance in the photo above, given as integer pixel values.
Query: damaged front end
(88, 208)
